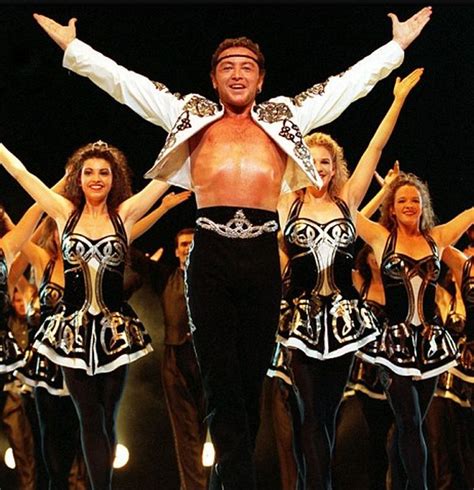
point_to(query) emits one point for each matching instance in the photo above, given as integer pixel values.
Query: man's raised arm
(404, 33)
(324, 102)
(61, 35)
(150, 100)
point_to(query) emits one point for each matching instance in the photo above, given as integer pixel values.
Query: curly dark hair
(238, 42)
(428, 218)
(121, 173)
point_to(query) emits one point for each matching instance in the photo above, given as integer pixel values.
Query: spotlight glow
(122, 456)
(208, 454)
(9, 459)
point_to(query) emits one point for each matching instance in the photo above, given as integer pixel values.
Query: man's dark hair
(184, 231)
(238, 42)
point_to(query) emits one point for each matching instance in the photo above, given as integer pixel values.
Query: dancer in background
(469, 248)
(58, 420)
(13, 340)
(181, 378)
(450, 419)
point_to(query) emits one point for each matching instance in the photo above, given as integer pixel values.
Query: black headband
(237, 56)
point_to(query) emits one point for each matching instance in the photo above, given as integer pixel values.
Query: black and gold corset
(93, 268)
(467, 292)
(321, 254)
(410, 284)
(5, 304)
(50, 293)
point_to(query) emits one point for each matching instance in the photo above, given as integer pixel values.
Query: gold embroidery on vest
(271, 112)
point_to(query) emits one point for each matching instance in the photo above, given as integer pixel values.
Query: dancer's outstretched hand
(404, 33)
(61, 35)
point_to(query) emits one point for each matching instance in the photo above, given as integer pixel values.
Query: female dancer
(12, 239)
(14, 400)
(413, 348)
(450, 420)
(59, 424)
(96, 334)
(322, 320)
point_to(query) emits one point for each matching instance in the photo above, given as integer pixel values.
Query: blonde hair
(341, 172)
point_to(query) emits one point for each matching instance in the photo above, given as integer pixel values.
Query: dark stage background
(47, 112)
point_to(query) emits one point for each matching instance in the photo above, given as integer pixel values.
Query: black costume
(94, 336)
(233, 293)
(321, 313)
(322, 322)
(58, 421)
(406, 353)
(409, 286)
(39, 371)
(11, 356)
(450, 419)
(94, 329)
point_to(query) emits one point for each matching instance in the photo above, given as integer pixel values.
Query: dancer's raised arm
(169, 202)
(371, 207)
(57, 206)
(14, 240)
(450, 232)
(356, 187)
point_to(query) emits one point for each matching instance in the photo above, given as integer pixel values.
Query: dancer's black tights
(409, 401)
(59, 428)
(320, 385)
(97, 399)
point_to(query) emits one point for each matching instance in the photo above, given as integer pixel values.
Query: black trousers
(360, 459)
(320, 387)
(284, 404)
(408, 456)
(450, 436)
(233, 293)
(60, 442)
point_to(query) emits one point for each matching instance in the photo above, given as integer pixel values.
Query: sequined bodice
(467, 291)
(4, 297)
(321, 254)
(93, 268)
(50, 293)
(109, 250)
(410, 284)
